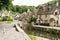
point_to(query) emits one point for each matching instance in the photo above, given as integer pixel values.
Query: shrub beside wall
(45, 24)
(47, 30)
(6, 18)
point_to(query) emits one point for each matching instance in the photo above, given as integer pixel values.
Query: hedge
(6, 18)
(45, 24)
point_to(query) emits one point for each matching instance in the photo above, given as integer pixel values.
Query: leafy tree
(48, 3)
(5, 4)
(6, 18)
(21, 9)
(32, 19)
(39, 7)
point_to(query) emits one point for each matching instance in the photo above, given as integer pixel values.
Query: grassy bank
(44, 32)
(32, 37)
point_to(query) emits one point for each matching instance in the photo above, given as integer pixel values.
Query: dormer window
(55, 13)
(48, 9)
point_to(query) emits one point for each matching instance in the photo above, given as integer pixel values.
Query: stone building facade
(50, 14)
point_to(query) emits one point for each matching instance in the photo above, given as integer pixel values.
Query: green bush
(45, 24)
(32, 19)
(7, 18)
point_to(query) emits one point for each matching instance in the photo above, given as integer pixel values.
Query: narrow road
(8, 32)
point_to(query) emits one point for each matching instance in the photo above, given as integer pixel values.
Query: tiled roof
(48, 9)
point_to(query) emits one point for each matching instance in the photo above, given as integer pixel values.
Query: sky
(30, 2)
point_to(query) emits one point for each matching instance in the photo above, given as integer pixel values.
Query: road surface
(8, 32)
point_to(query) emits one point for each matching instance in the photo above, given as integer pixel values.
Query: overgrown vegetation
(46, 31)
(21, 9)
(32, 19)
(32, 37)
(53, 2)
(45, 24)
(6, 4)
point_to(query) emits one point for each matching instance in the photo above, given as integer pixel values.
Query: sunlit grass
(32, 37)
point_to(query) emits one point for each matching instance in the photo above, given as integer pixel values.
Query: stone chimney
(44, 7)
(57, 4)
